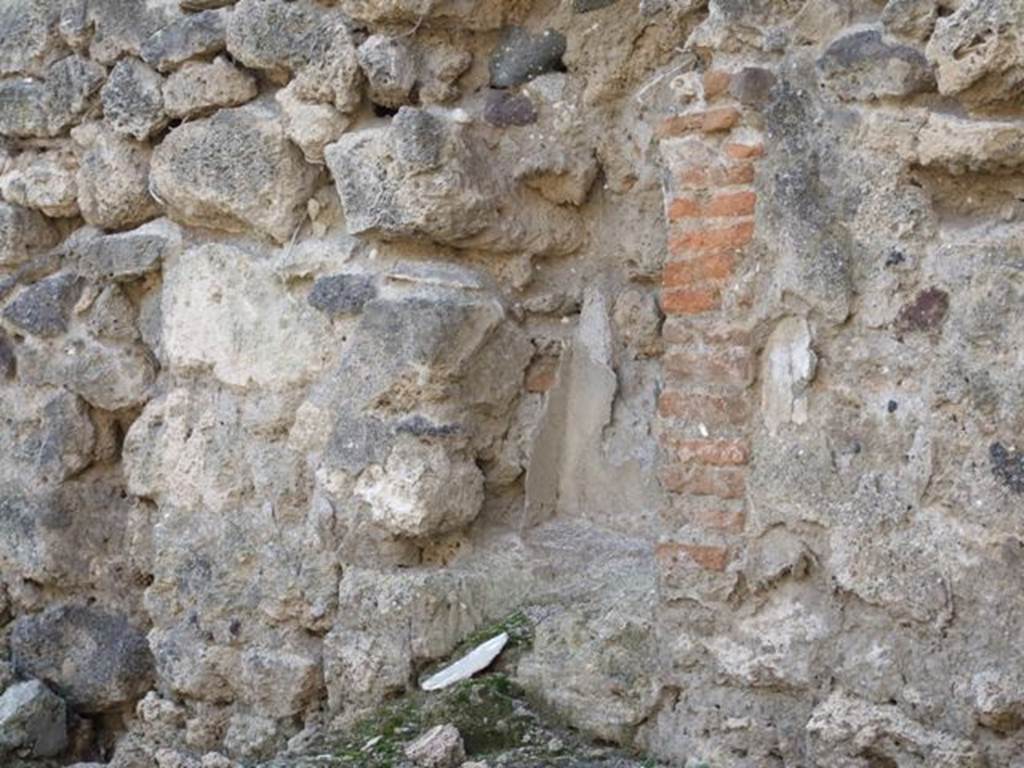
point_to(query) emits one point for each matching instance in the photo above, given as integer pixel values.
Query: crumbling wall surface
(331, 332)
(842, 404)
(328, 335)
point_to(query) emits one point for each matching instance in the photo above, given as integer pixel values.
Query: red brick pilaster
(706, 404)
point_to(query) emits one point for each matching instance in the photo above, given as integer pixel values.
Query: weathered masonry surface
(689, 332)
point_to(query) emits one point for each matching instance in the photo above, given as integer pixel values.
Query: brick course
(706, 406)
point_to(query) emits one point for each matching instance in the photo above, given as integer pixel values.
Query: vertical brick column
(706, 404)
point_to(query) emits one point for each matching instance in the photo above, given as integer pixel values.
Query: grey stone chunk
(345, 294)
(844, 728)
(586, 6)
(234, 171)
(403, 13)
(203, 5)
(112, 316)
(24, 108)
(8, 362)
(44, 308)
(752, 86)
(520, 56)
(1007, 466)
(194, 35)
(107, 376)
(426, 177)
(389, 64)
(33, 719)
(419, 138)
(440, 747)
(862, 66)
(49, 438)
(914, 19)
(34, 108)
(113, 178)
(309, 125)
(132, 98)
(978, 51)
(120, 27)
(74, 25)
(22, 233)
(504, 108)
(304, 39)
(44, 181)
(125, 255)
(97, 660)
(29, 41)
(275, 35)
(199, 88)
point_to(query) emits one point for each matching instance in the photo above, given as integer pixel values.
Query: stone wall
(331, 333)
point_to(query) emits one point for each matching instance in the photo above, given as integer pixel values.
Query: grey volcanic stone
(978, 53)
(43, 181)
(199, 88)
(33, 718)
(503, 109)
(389, 64)
(194, 35)
(586, 6)
(125, 255)
(112, 178)
(752, 86)
(862, 66)
(303, 39)
(914, 19)
(44, 308)
(520, 56)
(22, 232)
(7, 359)
(440, 747)
(275, 35)
(338, 295)
(28, 36)
(98, 660)
(133, 102)
(233, 171)
(33, 108)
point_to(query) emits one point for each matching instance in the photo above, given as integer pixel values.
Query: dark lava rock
(504, 108)
(339, 295)
(43, 309)
(926, 312)
(862, 65)
(752, 86)
(7, 361)
(586, 6)
(1007, 466)
(97, 661)
(521, 56)
(197, 34)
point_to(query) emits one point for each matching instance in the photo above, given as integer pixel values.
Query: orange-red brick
(708, 409)
(721, 519)
(711, 121)
(716, 82)
(690, 301)
(715, 175)
(739, 203)
(729, 366)
(735, 236)
(710, 558)
(684, 333)
(717, 265)
(722, 482)
(717, 452)
(739, 151)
